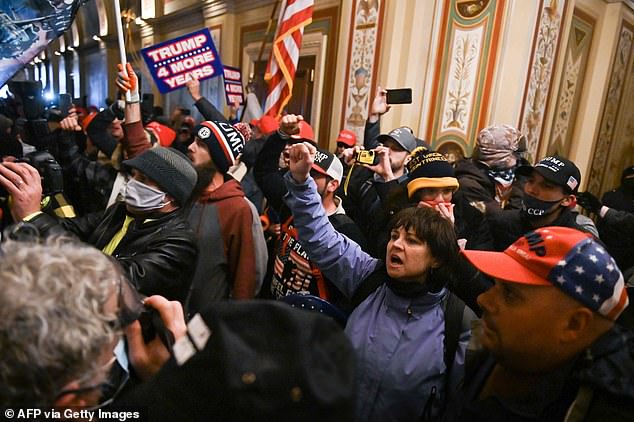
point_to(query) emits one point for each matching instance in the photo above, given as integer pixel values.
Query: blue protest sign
(171, 61)
(233, 85)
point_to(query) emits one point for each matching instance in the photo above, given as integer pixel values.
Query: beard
(206, 172)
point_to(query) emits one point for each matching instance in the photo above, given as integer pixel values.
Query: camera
(367, 157)
(50, 172)
(152, 326)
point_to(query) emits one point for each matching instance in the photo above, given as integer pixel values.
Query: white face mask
(141, 197)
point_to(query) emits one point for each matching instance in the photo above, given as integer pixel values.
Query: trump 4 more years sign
(171, 62)
(233, 85)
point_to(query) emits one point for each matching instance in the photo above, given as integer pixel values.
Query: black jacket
(98, 132)
(91, 179)
(362, 202)
(508, 226)
(270, 179)
(476, 186)
(158, 254)
(209, 111)
(605, 370)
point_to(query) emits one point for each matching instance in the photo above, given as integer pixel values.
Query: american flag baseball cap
(566, 258)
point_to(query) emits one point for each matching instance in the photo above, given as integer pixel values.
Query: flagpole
(268, 30)
(122, 54)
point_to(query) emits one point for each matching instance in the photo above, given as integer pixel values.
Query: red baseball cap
(305, 132)
(563, 257)
(347, 137)
(267, 124)
(164, 134)
(87, 120)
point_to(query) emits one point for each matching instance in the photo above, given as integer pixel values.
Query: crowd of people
(224, 269)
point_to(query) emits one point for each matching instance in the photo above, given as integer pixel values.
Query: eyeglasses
(110, 390)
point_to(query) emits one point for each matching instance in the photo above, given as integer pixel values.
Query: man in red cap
(551, 347)
(346, 139)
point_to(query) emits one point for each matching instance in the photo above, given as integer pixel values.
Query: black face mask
(534, 208)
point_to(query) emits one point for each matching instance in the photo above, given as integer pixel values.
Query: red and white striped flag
(280, 71)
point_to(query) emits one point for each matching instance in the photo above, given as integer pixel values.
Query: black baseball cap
(557, 170)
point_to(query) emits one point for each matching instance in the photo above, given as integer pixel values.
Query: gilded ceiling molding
(611, 109)
(540, 77)
(464, 70)
(571, 84)
(363, 42)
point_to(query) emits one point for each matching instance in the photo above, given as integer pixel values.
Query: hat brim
(528, 170)
(319, 170)
(346, 142)
(501, 266)
(431, 182)
(384, 137)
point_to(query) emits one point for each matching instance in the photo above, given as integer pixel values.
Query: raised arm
(340, 259)
(206, 108)
(373, 124)
(134, 141)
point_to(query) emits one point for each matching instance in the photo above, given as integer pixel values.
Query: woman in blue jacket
(398, 330)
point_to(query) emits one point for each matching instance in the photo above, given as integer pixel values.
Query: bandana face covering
(534, 208)
(141, 197)
(503, 177)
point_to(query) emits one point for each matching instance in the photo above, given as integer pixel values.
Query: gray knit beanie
(169, 168)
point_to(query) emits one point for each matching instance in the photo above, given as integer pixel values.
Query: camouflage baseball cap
(497, 146)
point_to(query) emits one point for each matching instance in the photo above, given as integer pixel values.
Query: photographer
(53, 200)
(92, 179)
(63, 287)
(362, 193)
(146, 232)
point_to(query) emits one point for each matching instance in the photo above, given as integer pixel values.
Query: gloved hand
(589, 202)
(128, 83)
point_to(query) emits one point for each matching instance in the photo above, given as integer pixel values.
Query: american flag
(591, 276)
(280, 71)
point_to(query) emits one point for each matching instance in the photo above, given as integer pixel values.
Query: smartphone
(65, 103)
(399, 96)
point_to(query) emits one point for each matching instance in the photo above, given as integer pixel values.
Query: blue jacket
(398, 341)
